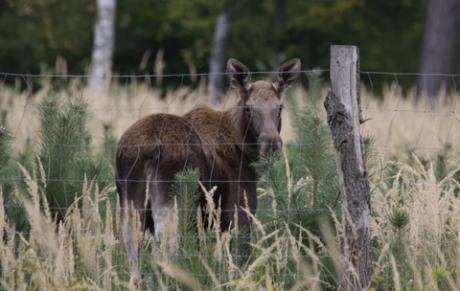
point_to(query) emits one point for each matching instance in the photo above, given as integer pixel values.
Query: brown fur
(164, 143)
(230, 165)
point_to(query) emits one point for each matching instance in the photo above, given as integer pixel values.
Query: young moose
(222, 145)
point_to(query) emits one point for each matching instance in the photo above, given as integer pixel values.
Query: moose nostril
(269, 144)
(276, 144)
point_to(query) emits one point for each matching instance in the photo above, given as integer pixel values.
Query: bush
(301, 186)
(65, 153)
(9, 176)
(304, 189)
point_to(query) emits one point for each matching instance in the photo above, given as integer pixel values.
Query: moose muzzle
(269, 144)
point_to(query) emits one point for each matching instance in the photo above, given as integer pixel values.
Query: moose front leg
(237, 217)
(242, 244)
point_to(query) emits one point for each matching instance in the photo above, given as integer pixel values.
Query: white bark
(104, 35)
(217, 63)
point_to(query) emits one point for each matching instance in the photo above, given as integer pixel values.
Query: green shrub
(186, 190)
(311, 190)
(301, 187)
(65, 152)
(9, 179)
(5, 161)
(109, 147)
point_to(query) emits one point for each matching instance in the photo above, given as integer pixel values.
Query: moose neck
(246, 139)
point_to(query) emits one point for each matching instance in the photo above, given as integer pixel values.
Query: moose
(222, 145)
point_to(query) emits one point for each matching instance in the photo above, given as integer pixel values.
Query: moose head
(261, 105)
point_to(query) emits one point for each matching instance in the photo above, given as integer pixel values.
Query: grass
(412, 158)
(83, 252)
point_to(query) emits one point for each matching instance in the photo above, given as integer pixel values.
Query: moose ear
(287, 75)
(239, 76)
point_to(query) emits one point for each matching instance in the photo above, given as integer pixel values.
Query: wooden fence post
(344, 118)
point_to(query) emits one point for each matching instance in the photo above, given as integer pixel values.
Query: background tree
(42, 30)
(218, 57)
(439, 46)
(104, 34)
(34, 33)
(278, 31)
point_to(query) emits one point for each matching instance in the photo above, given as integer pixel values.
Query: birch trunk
(104, 34)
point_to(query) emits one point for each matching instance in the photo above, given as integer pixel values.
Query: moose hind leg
(162, 206)
(131, 245)
(163, 218)
(131, 231)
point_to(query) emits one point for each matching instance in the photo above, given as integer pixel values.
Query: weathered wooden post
(344, 118)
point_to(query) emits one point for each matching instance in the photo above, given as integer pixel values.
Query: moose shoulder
(221, 144)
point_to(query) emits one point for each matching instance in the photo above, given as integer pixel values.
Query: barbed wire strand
(113, 109)
(172, 75)
(182, 75)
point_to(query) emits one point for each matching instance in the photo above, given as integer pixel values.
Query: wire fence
(368, 77)
(205, 74)
(426, 114)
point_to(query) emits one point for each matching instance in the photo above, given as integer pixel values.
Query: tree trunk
(344, 118)
(217, 63)
(104, 34)
(278, 29)
(439, 46)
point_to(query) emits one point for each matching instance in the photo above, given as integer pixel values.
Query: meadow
(58, 205)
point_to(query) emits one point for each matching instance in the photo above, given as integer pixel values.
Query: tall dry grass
(400, 122)
(84, 251)
(415, 221)
(396, 120)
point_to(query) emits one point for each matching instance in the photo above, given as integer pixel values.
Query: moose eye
(280, 110)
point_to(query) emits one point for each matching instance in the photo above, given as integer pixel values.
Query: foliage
(187, 190)
(39, 29)
(305, 186)
(183, 30)
(65, 155)
(109, 146)
(300, 186)
(399, 218)
(8, 175)
(5, 159)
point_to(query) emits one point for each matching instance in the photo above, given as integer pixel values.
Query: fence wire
(302, 147)
(366, 75)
